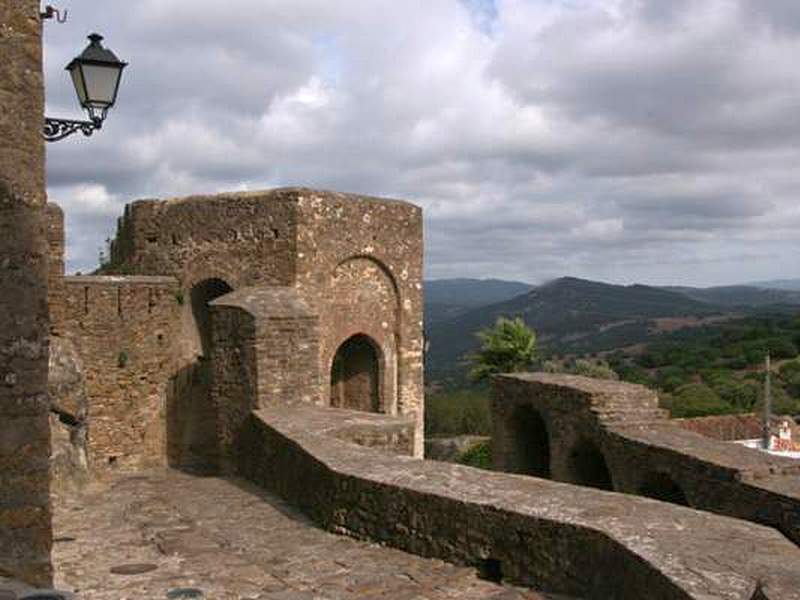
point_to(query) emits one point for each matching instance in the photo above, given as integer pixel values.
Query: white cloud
(618, 139)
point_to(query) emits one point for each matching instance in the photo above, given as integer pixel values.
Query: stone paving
(142, 536)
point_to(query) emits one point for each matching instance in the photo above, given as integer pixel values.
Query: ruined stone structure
(612, 435)
(552, 536)
(317, 298)
(25, 537)
(277, 335)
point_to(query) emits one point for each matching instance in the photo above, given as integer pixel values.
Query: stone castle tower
(211, 306)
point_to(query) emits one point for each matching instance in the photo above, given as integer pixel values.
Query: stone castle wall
(55, 265)
(611, 435)
(125, 330)
(25, 529)
(241, 238)
(360, 266)
(356, 261)
(310, 269)
(555, 537)
(265, 352)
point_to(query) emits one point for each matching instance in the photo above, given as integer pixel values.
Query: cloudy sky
(653, 141)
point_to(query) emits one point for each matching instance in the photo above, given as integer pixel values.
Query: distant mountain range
(778, 284)
(449, 298)
(741, 295)
(577, 316)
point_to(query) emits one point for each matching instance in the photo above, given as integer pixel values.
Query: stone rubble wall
(55, 265)
(243, 238)
(356, 261)
(69, 418)
(125, 330)
(234, 388)
(360, 267)
(720, 477)
(554, 537)
(25, 518)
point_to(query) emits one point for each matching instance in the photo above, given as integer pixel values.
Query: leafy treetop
(508, 347)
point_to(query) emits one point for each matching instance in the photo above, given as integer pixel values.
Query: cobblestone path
(234, 542)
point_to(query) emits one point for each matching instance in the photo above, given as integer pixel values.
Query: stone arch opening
(588, 466)
(191, 413)
(660, 486)
(356, 375)
(531, 442)
(200, 295)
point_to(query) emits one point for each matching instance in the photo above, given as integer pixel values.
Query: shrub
(480, 456)
(459, 412)
(698, 400)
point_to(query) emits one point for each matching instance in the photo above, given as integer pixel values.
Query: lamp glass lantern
(96, 74)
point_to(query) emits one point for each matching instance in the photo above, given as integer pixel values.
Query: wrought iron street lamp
(96, 74)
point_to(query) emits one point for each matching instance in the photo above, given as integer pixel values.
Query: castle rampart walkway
(235, 542)
(611, 435)
(549, 535)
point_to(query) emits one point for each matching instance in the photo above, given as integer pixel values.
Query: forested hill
(449, 298)
(740, 295)
(568, 314)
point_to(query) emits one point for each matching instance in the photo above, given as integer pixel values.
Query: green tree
(698, 400)
(598, 369)
(790, 374)
(508, 347)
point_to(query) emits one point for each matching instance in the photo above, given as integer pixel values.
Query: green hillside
(720, 369)
(568, 315)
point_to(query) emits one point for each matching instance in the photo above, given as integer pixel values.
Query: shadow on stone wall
(191, 414)
(191, 420)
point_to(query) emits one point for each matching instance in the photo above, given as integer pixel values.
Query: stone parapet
(555, 537)
(548, 426)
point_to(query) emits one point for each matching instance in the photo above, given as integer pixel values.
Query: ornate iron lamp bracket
(58, 129)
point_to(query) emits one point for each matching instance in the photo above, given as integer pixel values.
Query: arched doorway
(531, 450)
(660, 486)
(191, 414)
(588, 466)
(199, 296)
(355, 375)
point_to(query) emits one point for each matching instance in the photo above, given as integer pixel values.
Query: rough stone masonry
(332, 283)
(25, 534)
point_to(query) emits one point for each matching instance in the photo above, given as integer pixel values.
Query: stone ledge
(553, 536)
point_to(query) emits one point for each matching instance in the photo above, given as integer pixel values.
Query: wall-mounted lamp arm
(58, 129)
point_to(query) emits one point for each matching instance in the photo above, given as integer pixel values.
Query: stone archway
(191, 414)
(660, 486)
(356, 375)
(587, 466)
(200, 295)
(531, 443)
